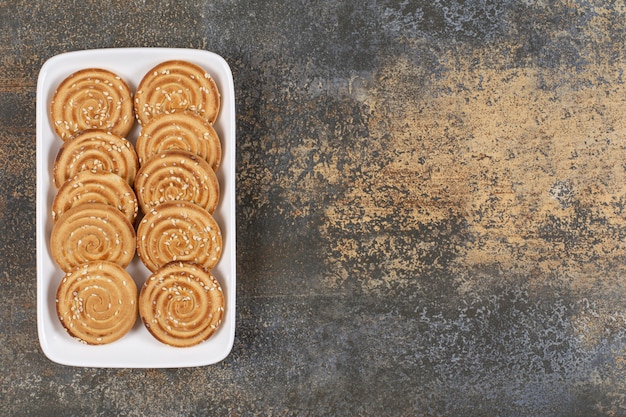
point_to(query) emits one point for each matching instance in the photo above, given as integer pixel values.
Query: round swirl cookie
(181, 304)
(95, 150)
(178, 231)
(96, 187)
(177, 176)
(97, 302)
(183, 131)
(92, 232)
(175, 86)
(92, 98)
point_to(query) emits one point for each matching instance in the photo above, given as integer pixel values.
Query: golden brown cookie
(97, 302)
(92, 232)
(183, 131)
(181, 304)
(92, 98)
(96, 187)
(175, 86)
(177, 176)
(95, 150)
(178, 231)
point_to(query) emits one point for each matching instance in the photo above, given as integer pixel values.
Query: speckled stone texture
(431, 208)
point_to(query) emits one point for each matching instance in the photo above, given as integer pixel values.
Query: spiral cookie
(177, 176)
(91, 232)
(99, 187)
(175, 86)
(97, 302)
(181, 304)
(92, 98)
(180, 130)
(95, 150)
(178, 231)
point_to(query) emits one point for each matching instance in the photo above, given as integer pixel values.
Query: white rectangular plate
(138, 349)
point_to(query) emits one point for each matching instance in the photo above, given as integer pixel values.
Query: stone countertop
(430, 208)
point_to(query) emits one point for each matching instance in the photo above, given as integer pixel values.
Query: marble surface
(430, 204)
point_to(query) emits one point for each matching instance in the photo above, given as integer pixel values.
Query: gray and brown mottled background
(431, 208)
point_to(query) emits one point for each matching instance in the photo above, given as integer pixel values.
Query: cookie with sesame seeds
(180, 130)
(96, 187)
(175, 86)
(178, 231)
(92, 98)
(95, 150)
(97, 302)
(92, 232)
(176, 175)
(181, 304)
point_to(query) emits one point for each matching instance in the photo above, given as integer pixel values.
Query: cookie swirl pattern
(179, 131)
(99, 187)
(90, 232)
(177, 176)
(97, 302)
(92, 98)
(95, 150)
(181, 304)
(175, 86)
(178, 231)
